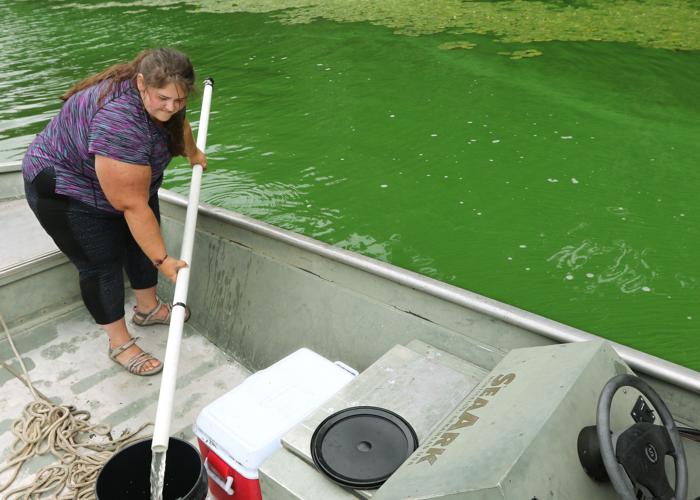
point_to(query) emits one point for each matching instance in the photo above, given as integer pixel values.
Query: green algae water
(544, 154)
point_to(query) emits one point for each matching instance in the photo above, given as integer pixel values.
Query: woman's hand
(170, 267)
(198, 158)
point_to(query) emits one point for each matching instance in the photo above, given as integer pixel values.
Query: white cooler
(238, 431)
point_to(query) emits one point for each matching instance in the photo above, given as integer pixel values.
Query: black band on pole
(180, 304)
(209, 81)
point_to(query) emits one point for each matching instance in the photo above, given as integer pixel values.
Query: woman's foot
(134, 359)
(158, 315)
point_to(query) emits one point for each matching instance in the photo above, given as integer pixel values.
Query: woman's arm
(126, 187)
(192, 152)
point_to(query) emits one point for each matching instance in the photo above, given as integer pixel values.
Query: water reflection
(367, 245)
(286, 205)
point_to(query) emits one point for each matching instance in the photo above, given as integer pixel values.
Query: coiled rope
(82, 448)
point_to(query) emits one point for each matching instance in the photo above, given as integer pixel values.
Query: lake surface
(545, 157)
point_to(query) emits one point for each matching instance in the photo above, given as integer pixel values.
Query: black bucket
(128, 473)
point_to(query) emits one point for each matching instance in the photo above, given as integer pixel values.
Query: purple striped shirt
(118, 128)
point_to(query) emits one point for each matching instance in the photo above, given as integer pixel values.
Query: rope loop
(81, 448)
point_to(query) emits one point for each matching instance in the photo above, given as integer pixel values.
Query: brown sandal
(147, 319)
(137, 363)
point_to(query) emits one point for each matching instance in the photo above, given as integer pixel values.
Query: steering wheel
(641, 449)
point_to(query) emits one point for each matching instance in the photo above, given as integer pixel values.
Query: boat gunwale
(648, 364)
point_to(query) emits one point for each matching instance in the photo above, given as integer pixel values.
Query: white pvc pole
(161, 431)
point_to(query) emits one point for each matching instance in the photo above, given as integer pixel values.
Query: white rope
(82, 448)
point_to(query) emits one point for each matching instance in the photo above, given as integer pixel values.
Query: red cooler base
(225, 482)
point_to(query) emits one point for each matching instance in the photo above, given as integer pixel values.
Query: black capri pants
(98, 243)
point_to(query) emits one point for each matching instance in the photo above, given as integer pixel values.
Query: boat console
(525, 430)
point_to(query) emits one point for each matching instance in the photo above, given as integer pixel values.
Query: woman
(92, 179)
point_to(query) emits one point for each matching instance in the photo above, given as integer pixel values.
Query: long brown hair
(159, 68)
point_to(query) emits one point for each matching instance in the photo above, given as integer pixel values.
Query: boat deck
(65, 353)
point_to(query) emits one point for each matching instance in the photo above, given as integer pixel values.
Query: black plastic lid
(360, 447)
